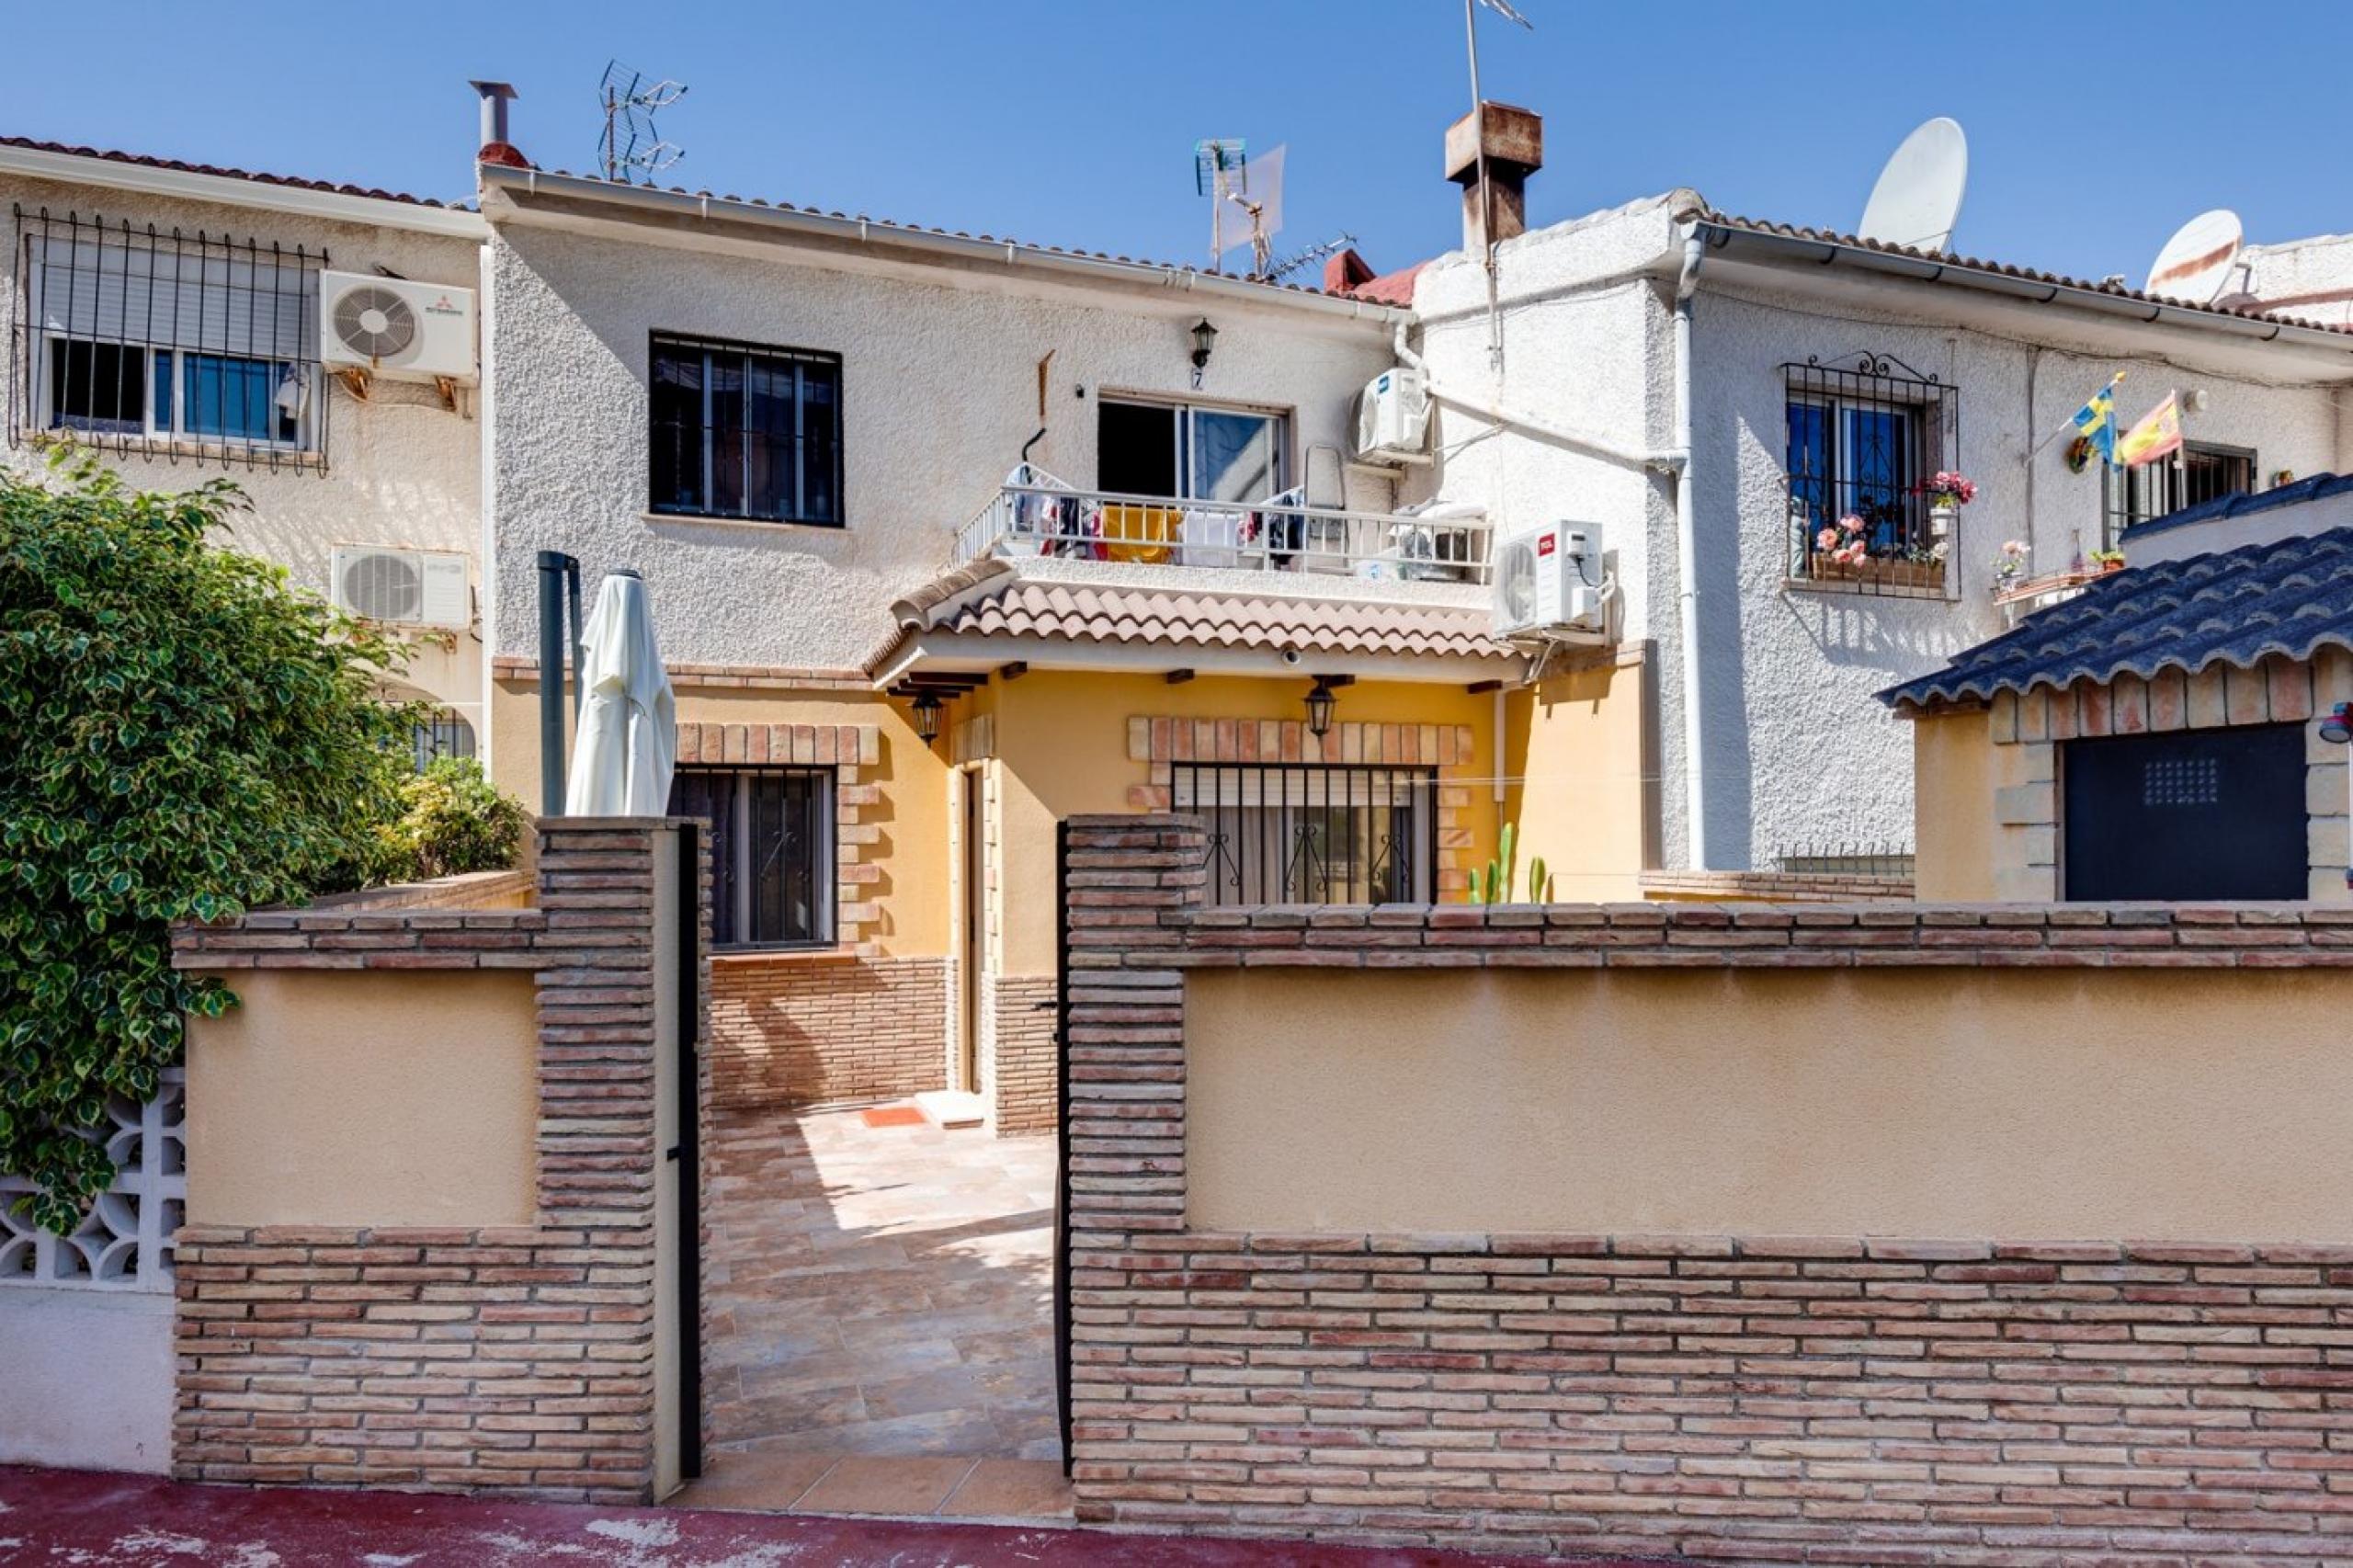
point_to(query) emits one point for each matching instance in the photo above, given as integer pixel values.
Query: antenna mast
(1214, 160)
(630, 145)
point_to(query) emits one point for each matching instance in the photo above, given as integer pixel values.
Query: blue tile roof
(2238, 503)
(2229, 607)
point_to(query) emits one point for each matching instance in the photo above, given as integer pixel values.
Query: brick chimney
(1513, 139)
(495, 148)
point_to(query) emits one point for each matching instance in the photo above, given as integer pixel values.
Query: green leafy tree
(187, 735)
(453, 820)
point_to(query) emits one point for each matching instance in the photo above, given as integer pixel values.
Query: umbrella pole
(554, 568)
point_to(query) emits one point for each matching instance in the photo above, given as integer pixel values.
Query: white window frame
(1181, 435)
(44, 397)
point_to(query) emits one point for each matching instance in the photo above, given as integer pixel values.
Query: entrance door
(2189, 814)
(975, 923)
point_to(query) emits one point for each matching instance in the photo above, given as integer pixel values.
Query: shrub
(452, 820)
(189, 735)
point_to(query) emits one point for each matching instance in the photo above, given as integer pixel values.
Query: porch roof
(983, 609)
(2233, 607)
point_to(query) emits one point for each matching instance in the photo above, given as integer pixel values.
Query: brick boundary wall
(1776, 886)
(1023, 1071)
(817, 1027)
(518, 1360)
(1747, 1400)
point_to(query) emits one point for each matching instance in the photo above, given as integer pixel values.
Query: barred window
(771, 852)
(440, 732)
(743, 431)
(1863, 437)
(2202, 472)
(194, 344)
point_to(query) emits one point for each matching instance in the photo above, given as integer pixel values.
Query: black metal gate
(1313, 833)
(2188, 815)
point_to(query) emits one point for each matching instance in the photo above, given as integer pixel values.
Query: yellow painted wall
(913, 779)
(1575, 747)
(2009, 1104)
(1953, 776)
(385, 1097)
(1062, 741)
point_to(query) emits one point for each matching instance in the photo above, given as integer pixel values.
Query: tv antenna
(1217, 161)
(630, 146)
(1257, 190)
(1505, 9)
(1308, 257)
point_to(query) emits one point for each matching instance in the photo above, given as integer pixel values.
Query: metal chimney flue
(495, 147)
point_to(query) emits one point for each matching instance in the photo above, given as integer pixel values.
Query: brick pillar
(1127, 1025)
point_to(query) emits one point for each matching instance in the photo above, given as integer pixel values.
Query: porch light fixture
(1320, 704)
(926, 717)
(1204, 340)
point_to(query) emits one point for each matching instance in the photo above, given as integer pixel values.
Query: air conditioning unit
(403, 587)
(392, 327)
(1549, 584)
(1393, 417)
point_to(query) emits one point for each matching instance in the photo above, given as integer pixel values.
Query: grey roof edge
(1917, 694)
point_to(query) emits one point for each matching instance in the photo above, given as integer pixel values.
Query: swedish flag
(2096, 421)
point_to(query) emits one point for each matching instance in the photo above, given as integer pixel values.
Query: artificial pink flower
(1827, 540)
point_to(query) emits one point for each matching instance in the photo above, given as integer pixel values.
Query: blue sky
(1072, 123)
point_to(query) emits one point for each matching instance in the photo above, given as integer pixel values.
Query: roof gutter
(870, 231)
(1752, 244)
(73, 169)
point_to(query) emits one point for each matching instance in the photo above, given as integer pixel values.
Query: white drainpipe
(1687, 563)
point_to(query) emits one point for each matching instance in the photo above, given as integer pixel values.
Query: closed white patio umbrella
(628, 743)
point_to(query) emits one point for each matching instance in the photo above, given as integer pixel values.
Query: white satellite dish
(1918, 194)
(2196, 261)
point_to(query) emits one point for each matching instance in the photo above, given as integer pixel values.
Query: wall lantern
(927, 716)
(1204, 340)
(1320, 704)
(2336, 725)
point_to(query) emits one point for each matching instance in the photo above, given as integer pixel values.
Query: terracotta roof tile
(1174, 266)
(2002, 268)
(991, 599)
(292, 182)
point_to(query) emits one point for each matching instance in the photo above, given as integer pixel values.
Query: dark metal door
(2189, 814)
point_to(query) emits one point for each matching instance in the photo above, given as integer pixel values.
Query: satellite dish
(2198, 259)
(1918, 194)
(1255, 192)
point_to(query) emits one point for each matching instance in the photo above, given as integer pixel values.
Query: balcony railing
(1279, 534)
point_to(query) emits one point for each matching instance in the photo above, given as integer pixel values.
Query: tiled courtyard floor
(880, 1324)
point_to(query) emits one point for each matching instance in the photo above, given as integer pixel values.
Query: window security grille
(1865, 435)
(771, 852)
(743, 431)
(1281, 832)
(182, 346)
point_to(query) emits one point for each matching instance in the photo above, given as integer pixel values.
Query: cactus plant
(1496, 884)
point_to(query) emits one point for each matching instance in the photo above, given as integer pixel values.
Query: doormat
(893, 1116)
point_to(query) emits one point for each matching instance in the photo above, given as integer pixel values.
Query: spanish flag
(2096, 421)
(2157, 436)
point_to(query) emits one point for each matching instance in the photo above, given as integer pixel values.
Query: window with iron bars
(2202, 472)
(743, 431)
(180, 345)
(771, 852)
(1300, 833)
(1864, 435)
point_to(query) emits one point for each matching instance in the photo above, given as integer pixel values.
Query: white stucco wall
(2311, 278)
(1798, 750)
(402, 470)
(87, 1379)
(938, 390)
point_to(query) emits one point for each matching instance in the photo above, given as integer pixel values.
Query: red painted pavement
(78, 1517)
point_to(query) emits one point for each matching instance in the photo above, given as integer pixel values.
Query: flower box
(1918, 576)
